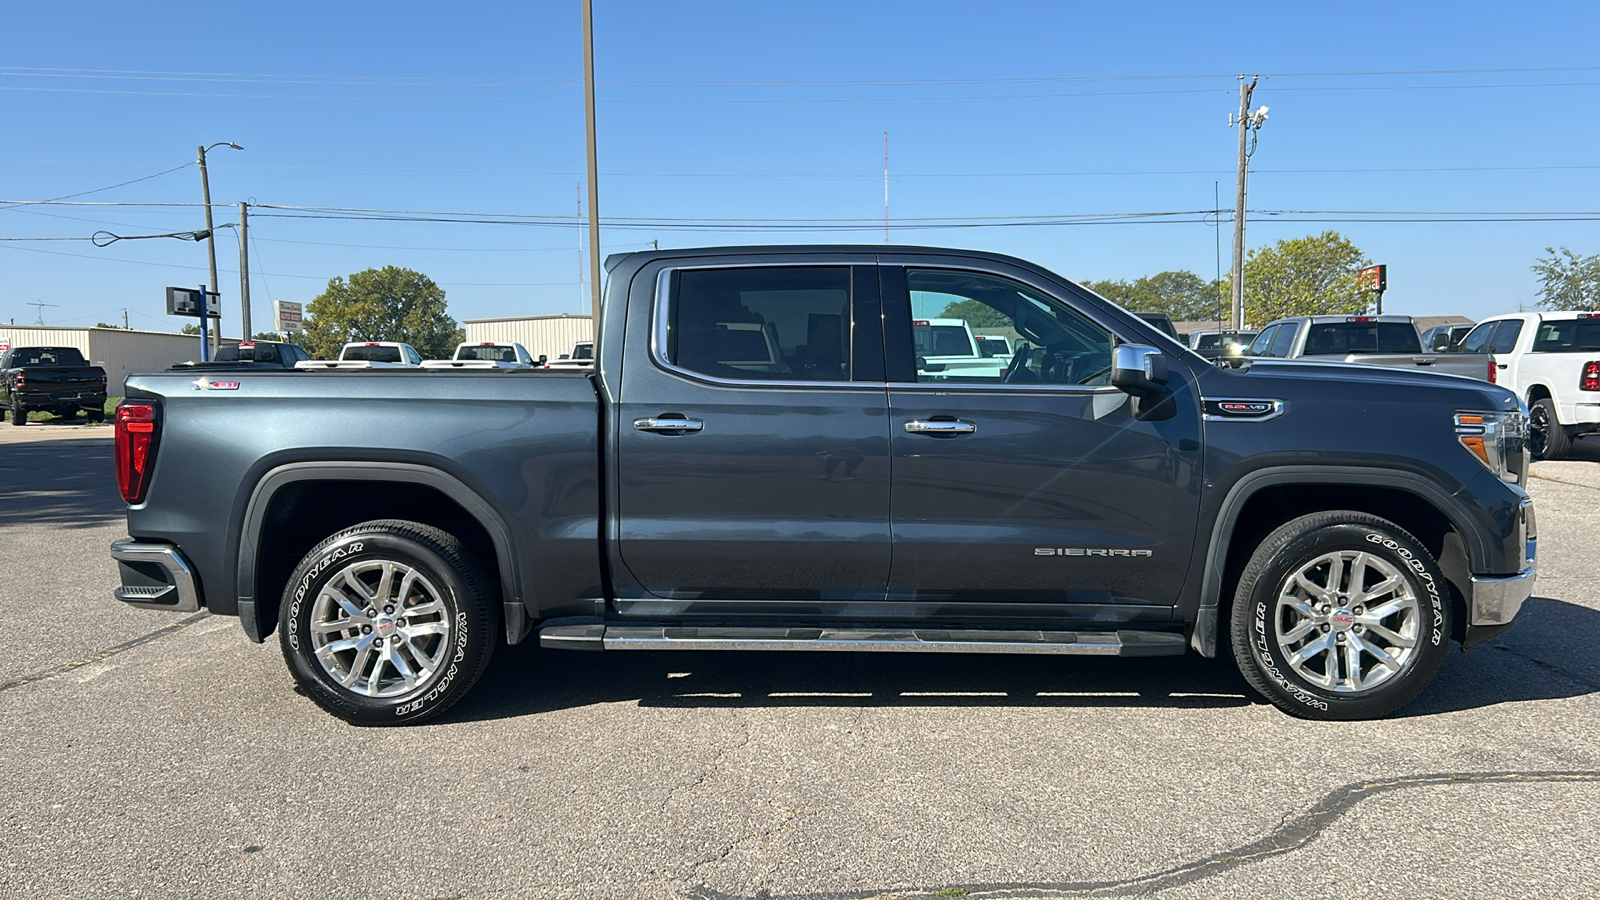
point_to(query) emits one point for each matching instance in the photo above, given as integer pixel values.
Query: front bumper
(155, 576)
(1494, 600)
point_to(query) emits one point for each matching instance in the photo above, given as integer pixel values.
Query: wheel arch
(270, 547)
(1262, 500)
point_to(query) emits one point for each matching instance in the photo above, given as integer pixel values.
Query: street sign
(4, 345)
(1372, 280)
(288, 314)
(186, 302)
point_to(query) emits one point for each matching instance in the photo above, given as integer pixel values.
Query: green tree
(105, 325)
(191, 329)
(387, 304)
(978, 315)
(1179, 293)
(1309, 276)
(1567, 280)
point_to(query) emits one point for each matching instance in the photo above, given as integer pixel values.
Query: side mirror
(1141, 371)
(543, 359)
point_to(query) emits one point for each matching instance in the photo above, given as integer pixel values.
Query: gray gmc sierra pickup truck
(759, 461)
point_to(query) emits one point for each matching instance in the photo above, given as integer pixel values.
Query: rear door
(1037, 486)
(752, 447)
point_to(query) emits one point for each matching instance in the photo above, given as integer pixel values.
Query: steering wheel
(1018, 364)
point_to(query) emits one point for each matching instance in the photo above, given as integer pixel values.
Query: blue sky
(776, 111)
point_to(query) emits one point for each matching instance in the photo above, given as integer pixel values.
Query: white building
(121, 353)
(548, 336)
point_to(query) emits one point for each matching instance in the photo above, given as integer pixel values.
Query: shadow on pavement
(67, 483)
(1547, 655)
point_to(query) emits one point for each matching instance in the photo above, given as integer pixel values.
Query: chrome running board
(595, 636)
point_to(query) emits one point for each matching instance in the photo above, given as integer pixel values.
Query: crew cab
(1368, 340)
(485, 355)
(56, 380)
(759, 462)
(1552, 361)
(369, 355)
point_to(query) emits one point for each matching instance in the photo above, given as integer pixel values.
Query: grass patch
(951, 892)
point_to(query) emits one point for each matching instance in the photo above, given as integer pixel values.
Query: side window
(968, 327)
(1263, 341)
(1477, 340)
(1505, 337)
(1283, 341)
(763, 324)
(413, 356)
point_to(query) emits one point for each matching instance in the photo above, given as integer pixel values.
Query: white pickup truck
(485, 355)
(1552, 361)
(947, 348)
(368, 355)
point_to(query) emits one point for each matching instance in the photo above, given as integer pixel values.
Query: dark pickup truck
(50, 379)
(1105, 492)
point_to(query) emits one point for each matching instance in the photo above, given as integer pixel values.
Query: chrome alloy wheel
(380, 629)
(1347, 621)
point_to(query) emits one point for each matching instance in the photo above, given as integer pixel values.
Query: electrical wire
(13, 204)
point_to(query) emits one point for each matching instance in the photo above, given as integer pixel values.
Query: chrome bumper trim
(179, 594)
(1496, 601)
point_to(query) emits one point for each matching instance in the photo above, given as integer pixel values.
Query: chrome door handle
(1424, 360)
(664, 424)
(940, 426)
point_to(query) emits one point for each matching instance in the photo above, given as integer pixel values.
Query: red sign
(1372, 280)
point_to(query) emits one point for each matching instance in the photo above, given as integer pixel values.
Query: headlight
(1498, 440)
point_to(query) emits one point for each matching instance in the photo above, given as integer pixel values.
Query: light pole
(211, 238)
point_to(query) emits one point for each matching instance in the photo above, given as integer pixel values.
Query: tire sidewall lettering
(1420, 570)
(333, 555)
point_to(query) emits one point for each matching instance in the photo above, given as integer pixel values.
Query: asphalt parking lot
(149, 754)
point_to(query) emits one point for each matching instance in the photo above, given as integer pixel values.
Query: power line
(15, 204)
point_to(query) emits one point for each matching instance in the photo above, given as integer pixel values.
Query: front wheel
(1547, 437)
(387, 623)
(1340, 615)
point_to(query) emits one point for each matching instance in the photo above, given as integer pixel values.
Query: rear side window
(1340, 338)
(1283, 341)
(1568, 336)
(764, 324)
(1505, 337)
(1477, 340)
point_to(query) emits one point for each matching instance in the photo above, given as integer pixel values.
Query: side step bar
(891, 640)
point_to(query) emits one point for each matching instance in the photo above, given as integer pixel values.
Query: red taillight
(136, 431)
(22, 379)
(1590, 380)
(102, 381)
(922, 323)
(1491, 372)
(1360, 319)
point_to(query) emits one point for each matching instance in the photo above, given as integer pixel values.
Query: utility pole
(594, 181)
(125, 319)
(211, 236)
(1248, 123)
(244, 272)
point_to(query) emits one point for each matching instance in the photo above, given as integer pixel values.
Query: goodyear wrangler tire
(387, 623)
(1340, 615)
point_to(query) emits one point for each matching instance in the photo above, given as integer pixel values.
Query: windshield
(490, 353)
(583, 351)
(372, 354)
(1340, 338)
(1569, 336)
(47, 356)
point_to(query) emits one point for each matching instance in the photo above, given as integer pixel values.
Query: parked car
(1369, 340)
(717, 488)
(271, 354)
(1214, 344)
(948, 348)
(581, 357)
(1552, 361)
(1162, 323)
(368, 355)
(485, 355)
(56, 380)
(1445, 338)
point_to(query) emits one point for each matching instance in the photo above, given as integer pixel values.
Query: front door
(1033, 482)
(752, 440)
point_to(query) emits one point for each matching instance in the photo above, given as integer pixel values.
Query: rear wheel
(1340, 615)
(387, 623)
(1547, 437)
(19, 416)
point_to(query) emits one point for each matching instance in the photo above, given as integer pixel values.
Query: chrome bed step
(595, 636)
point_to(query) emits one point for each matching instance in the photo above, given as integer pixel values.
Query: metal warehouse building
(121, 353)
(548, 336)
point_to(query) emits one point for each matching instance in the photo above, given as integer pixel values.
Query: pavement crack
(1292, 833)
(104, 654)
(1578, 484)
(1549, 667)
